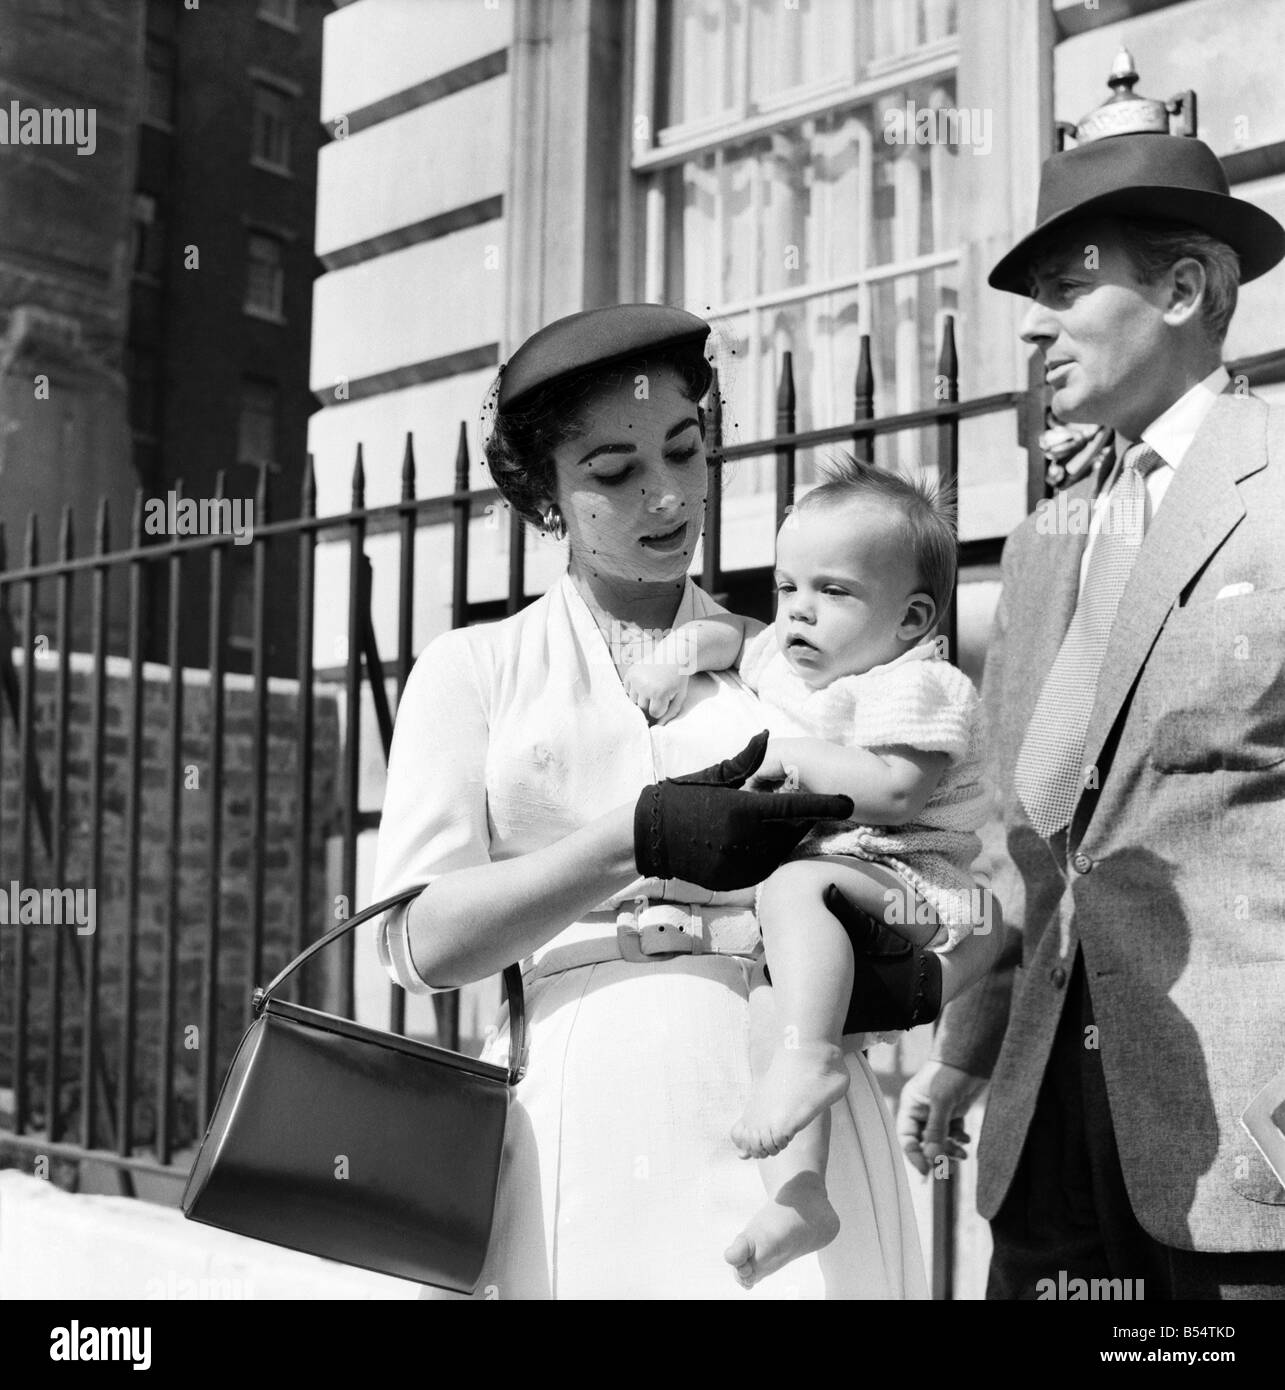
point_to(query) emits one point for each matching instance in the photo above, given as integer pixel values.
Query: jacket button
(1058, 976)
(1082, 862)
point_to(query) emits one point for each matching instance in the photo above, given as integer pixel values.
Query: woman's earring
(554, 525)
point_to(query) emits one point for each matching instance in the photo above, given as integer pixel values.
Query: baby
(864, 571)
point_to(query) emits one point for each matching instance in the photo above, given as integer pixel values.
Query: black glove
(894, 984)
(701, 828)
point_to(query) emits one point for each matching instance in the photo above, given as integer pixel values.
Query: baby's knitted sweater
(917, 701)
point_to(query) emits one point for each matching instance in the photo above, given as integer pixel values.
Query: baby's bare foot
(796, 1222)
(798, 1085)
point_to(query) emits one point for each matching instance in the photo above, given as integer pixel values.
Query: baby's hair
(928, 509)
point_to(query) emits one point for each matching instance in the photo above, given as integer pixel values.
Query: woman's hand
(703, 829)
(658, 689)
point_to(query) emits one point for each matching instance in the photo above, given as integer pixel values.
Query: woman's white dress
(619, 1179)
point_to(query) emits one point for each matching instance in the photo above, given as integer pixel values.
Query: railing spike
(308, 498)
(65, 539)
(358, 482)
(461, 460)
(136, 520)
(948, 358)
(102, 528)
(785, 399)
(33, 542)
(863, 396)
(261, 497)
(408, 469)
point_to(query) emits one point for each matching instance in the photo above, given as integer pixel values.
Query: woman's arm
(888, 787)
(476, 915)
(473, 922)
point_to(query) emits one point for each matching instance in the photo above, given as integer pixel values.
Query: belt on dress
(644, 931)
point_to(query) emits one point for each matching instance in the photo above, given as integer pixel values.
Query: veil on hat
(721, 354)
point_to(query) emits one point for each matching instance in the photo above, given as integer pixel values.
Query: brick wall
(155, 841)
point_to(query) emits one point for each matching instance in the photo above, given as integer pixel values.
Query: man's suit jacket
(1173, 881)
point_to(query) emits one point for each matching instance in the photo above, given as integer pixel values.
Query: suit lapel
(1200, 508)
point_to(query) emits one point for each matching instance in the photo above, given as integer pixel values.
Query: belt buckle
(658, 931)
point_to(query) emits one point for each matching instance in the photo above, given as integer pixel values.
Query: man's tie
(1050, 773)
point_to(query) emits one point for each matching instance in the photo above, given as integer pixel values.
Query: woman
(523, 785)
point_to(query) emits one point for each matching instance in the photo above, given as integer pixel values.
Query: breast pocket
(1213, 690)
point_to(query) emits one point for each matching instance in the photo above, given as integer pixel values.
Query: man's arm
(971, 1028)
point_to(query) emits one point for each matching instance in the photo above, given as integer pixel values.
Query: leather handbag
(355, 1144)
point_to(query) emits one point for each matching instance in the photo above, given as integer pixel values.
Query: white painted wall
(377, 47)
(394, 174)
(412, 305)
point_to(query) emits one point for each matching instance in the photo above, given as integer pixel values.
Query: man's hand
(930, 1117)
(658, 690)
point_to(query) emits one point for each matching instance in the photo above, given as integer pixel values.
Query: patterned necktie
(1050, 775)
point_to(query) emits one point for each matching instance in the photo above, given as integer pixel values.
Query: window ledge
(282, 171)
(277, 22)
(263, 315)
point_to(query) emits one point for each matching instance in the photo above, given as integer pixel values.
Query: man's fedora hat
(594, 338)
(1154, 175)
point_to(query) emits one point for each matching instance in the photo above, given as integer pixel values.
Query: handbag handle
(512, 978)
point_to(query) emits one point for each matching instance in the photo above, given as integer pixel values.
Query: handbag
(355, 1144)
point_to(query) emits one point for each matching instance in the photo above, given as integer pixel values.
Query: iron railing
(91, 1111)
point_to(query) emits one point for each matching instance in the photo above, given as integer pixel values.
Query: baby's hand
(657, 690)
(772, 774)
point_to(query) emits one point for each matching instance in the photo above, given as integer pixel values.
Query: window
(282, 12)
(149, 237)
(271, 138)
(783, 199)
(257, 432)
(158, 87)
(265, 282)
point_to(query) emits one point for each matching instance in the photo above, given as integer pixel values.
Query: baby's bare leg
(810, 959)
(798, 1218)
(884, 895)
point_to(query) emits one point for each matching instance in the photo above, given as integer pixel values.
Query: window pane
(272, 127)
(799, 47)
(265, 279)
(699, 46)
(257, 434)
(149, 237)
(898, 27)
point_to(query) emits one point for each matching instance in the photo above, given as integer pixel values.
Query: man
(1135, 698)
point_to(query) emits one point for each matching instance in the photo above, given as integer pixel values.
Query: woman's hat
(594, 338)
(1127, 165)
